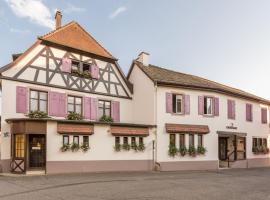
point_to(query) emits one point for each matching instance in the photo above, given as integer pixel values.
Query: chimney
(143, 58)
(58, 19)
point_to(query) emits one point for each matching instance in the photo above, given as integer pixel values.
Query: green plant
(192, 151)
(85, 147)
(117, 147)
(201, 150)
(260, 150)
(134, 146)
(65, 147)
(172, 150)
(106, 118)
(183, 151)
(74, 147)
(74, 116)
(126, 147)
(141, 147)
(84, 74)
(265, 150)
(37, 114)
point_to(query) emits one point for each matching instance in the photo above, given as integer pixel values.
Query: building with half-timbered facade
(68, 107)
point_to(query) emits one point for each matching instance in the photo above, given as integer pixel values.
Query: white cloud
(117, 12)
(15, 30)
(35, 10)
(72, 8)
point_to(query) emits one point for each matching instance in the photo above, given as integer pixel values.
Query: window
(75, 65)
(172, 139)
(65, 140)
(117, 141)
(38, 101)
(86, 67)
(258, 143)
(19, 146)
(254, 143)
(125, 140)
(177, 103)
(75, 104)
(200, 140)
(191, 140)
(264, 142)
(140, 141)
(208, 106)
(86, 140)
(133, 142)
(104, 108)
(75, 139)
(182, 141)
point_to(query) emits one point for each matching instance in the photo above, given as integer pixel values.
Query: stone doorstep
(28, 173)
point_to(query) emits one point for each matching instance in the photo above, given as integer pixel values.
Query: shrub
(74, 147)
(37, 115)
(192, 151)
(183, 151)
(74, 116)
(172, 150)
(65, 147)
(106, 118)
(201, 150)
(126, 147)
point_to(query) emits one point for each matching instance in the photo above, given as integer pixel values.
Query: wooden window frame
(65, 136)
(117, 140)
(212, 106)
(180, 141)
(172, 139)
(80, 65)
(125, 140)
(38, 99)
(193, 140)
(103, 107)
(141, 141)
(174, 95)
(76, 136)
(200, 136)
(74, 104)
(86, 142)
(19, 153)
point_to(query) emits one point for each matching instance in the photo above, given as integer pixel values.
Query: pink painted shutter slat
(93, 109)
(62, 105)
(200, 105)
(216, 106)
(94, 71)
(233, 109)
(66, 65)
(249, 112)
(116, 111)
(187, 104)
(169, 102)
(229, 109)
(87, 107)
(53, 103)
(21, 99)
(264, 115)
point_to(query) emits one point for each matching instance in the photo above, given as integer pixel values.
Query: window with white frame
(208, 106)
(75, 104)
(177, 103)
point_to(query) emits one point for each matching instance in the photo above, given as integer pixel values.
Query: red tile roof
(74, 36)
(187, 128)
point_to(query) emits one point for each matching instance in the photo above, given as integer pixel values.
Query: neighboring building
(68, 74)
(190, 111)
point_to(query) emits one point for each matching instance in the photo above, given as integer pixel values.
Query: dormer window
(75, 65)
(86, 67)
(80, 69)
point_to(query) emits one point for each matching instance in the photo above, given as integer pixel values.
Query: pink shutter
(62, 105)
(264, 115)
(200, 105)
(249, 112)
(116, 111)
(21, 99)
(93, 109)
(169, 102)
(187, 104)
(53, 103)
(87, 107)
(66, 65)
(216, 106)
(233, 109)
(94, 71)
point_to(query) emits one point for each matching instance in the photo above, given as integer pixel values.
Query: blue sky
(226, 41)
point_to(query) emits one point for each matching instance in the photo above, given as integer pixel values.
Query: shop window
(19, 146)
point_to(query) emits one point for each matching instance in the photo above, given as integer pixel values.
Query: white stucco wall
(255, 128)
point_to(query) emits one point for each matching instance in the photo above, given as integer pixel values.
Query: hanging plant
(84, 74)
(201, 150)
(74, 147)
(126, 147)
(172, 150)
(141, 147)
(117, 147)
(134, 146)
(183, 151)
(106, 118)
(65, 147)
(85, 147)
(74, 116)
(192, 151)
(37, 115)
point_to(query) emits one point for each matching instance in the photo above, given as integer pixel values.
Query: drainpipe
(156, 164)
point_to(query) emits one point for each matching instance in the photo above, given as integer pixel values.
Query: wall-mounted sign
(231, 126)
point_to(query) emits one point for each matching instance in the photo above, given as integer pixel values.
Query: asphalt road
(226, 184)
